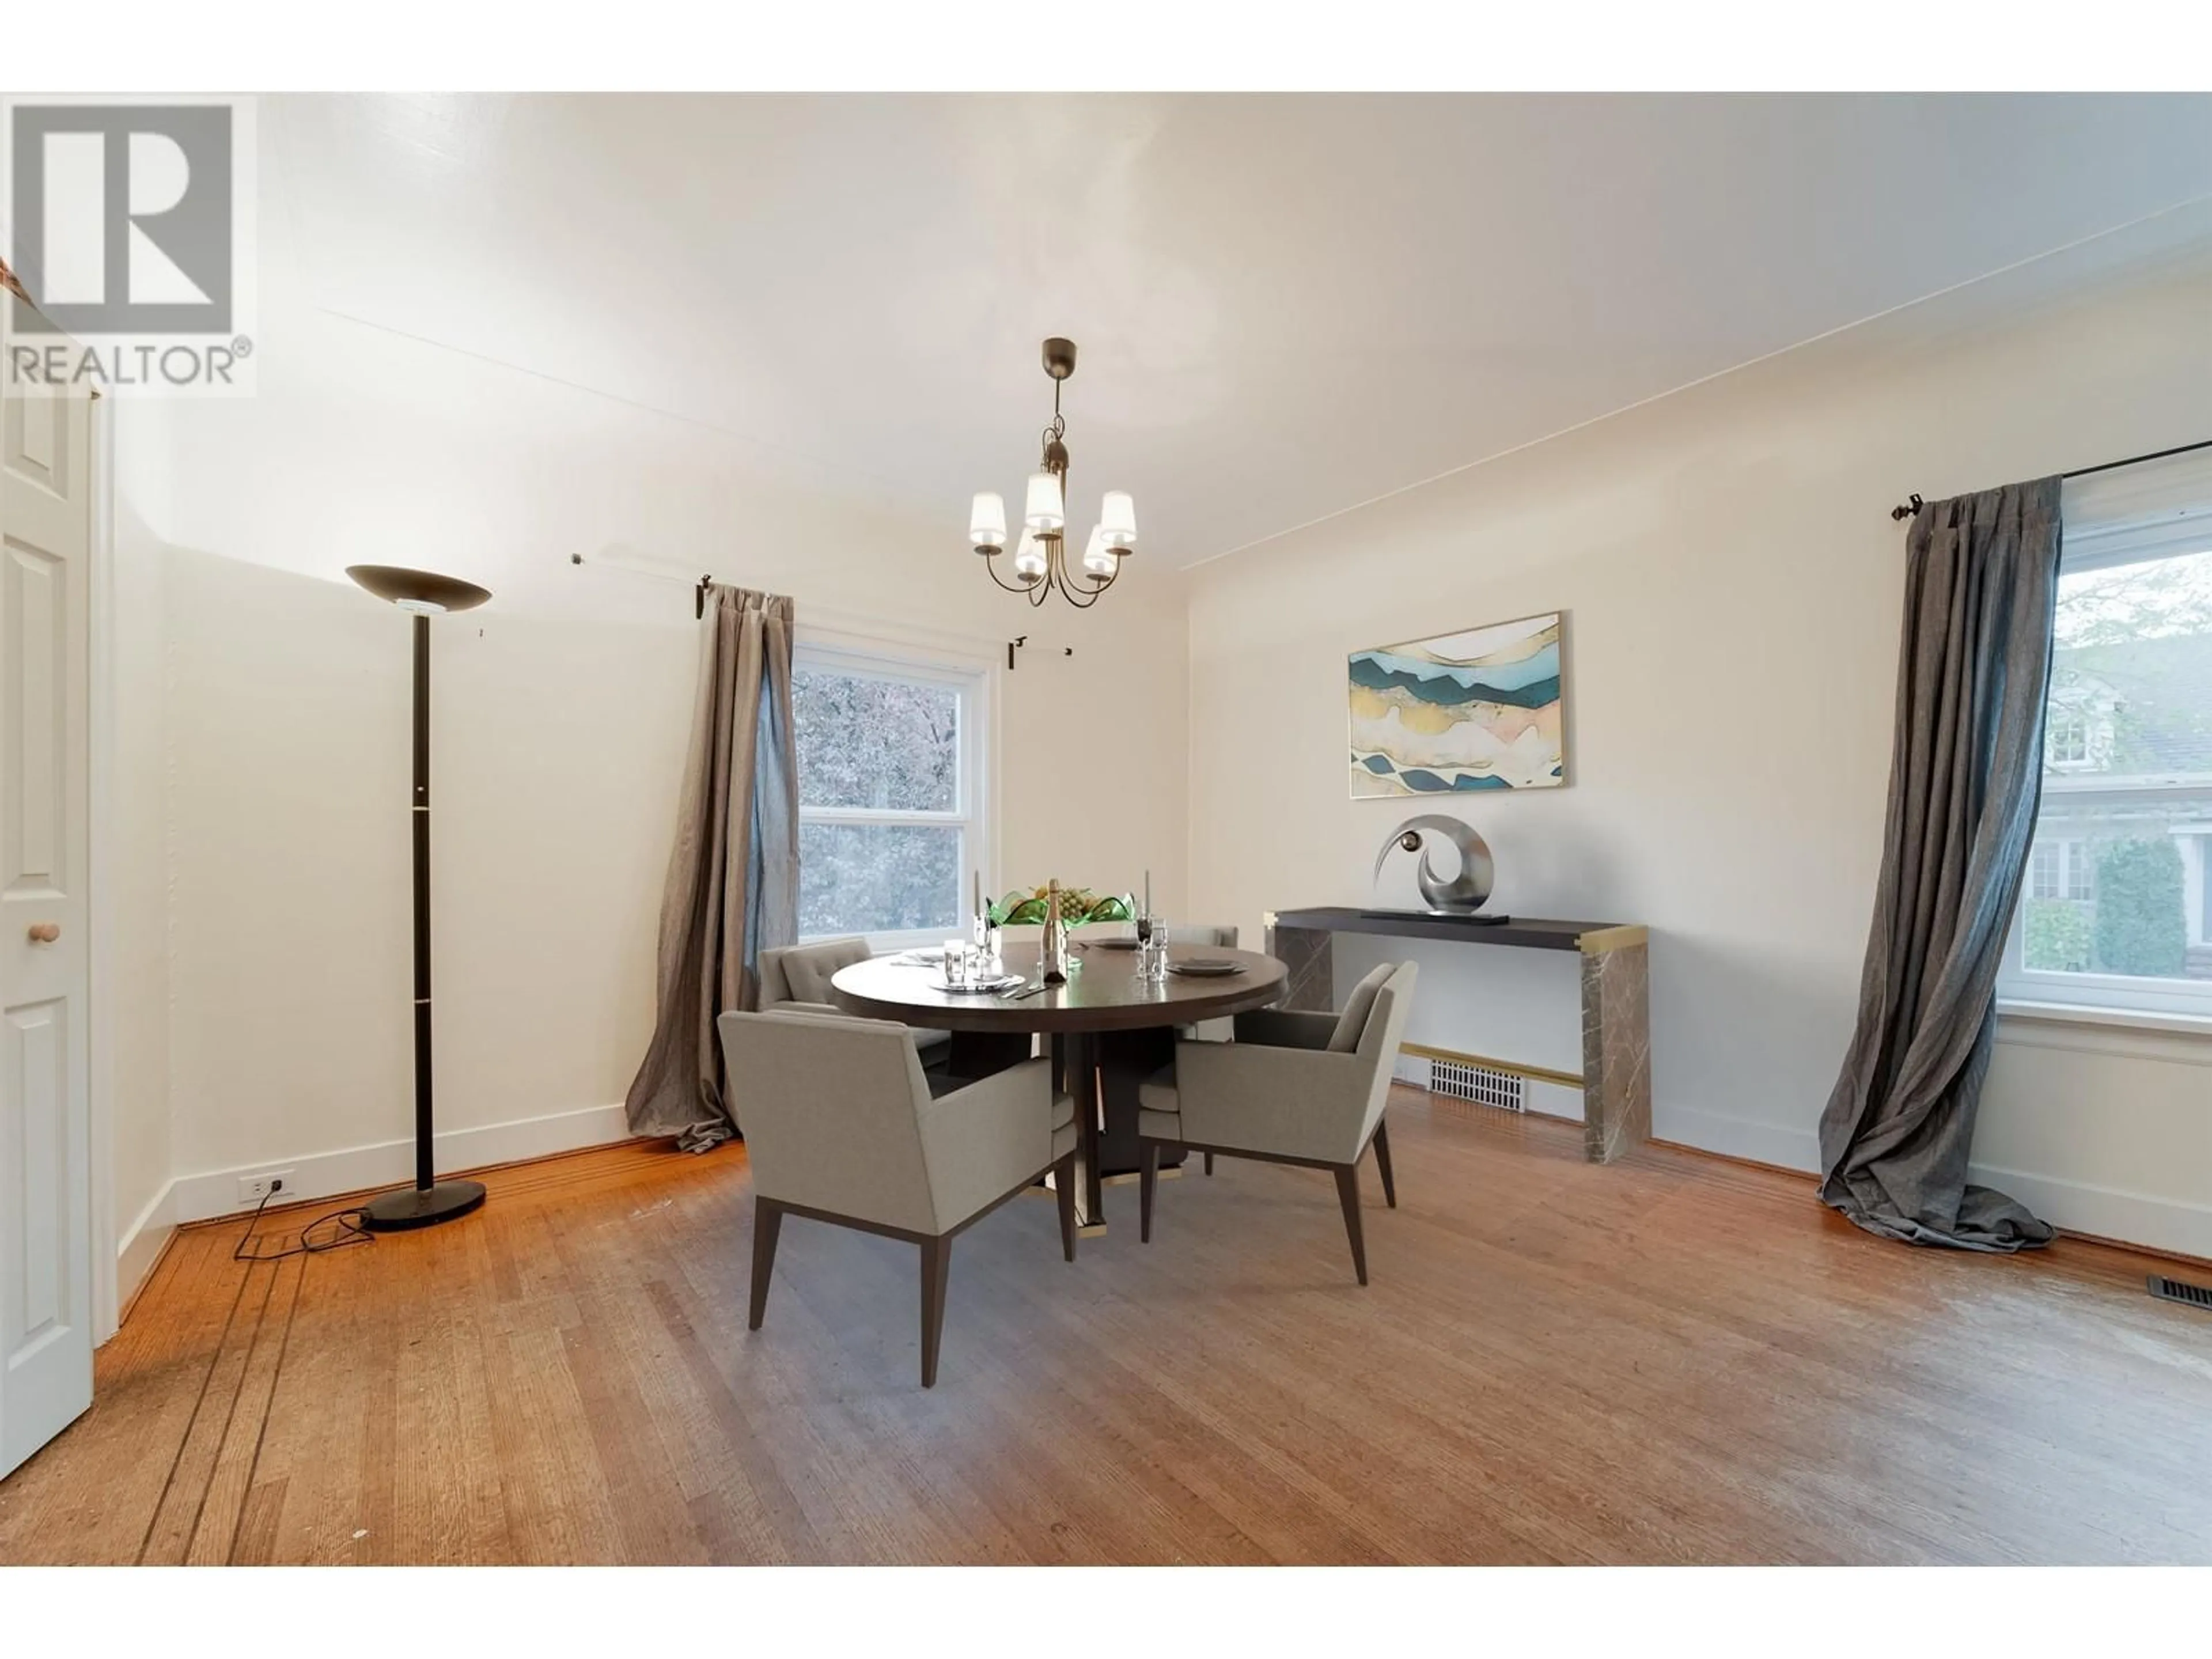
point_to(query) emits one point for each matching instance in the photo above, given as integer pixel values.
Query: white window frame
(971, 679)
(2118, 517)
(2196, 840)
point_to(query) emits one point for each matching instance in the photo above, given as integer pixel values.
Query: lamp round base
(416, 1206)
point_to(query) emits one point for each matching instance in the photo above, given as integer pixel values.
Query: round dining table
(1108, 1027)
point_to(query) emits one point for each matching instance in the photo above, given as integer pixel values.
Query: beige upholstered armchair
(1294, 1088)
(795, 979)
(840, 1126)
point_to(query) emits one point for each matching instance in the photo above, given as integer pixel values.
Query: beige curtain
(733, 877)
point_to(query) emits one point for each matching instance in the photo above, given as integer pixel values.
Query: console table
(1616, 1076)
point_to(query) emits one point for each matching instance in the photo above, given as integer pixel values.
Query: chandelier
(1040, 558)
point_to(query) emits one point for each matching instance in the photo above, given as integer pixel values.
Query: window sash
(2123, 517)
(969, 681)
(875, 815)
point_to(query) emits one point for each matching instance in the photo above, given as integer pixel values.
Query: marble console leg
(1309, 954)
(1616, 1041)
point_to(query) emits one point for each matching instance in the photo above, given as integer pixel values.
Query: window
(2061, 869)
(2066, 738)
(890, 794)
(2117, 909)
(2043, 871)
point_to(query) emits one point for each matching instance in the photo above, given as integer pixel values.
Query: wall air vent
(2176, 1290)
(1476, 1083)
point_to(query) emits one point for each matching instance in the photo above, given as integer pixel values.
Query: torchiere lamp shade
(422, 591)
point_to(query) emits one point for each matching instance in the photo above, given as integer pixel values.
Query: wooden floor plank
(238, 1457)
(1670, 1359)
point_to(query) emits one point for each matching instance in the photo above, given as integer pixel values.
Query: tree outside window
(889, 802)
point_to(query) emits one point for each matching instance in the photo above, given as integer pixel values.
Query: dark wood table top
(1103, 994)
(1535, 932)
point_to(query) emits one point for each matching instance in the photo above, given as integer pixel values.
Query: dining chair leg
(936, 1265)
(1209, 1164)
(1383, 1164)
(1148, 1183)
(1063, 1187)
(768, 1226)
(1347, 1194)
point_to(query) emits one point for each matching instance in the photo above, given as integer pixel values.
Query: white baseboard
(356, 1168)
(2113, 1213)
(1736, 1137)
(141, 1242)
(2124, 1217)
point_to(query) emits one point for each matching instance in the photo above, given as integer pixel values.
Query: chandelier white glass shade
(1045, 512)
(1041, 563)
(1030, 563)
(986, 522)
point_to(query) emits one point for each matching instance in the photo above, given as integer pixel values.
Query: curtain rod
(849, 622)
(698, 588)
(1906, 509)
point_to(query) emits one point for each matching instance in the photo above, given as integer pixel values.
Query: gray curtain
(733, 877)
(1966, 779)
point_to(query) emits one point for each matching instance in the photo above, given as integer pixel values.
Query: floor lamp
(423, 595)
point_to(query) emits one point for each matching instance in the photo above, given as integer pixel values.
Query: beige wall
(561, 713)
(1732, 580)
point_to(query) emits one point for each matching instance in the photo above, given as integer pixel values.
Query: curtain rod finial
(1910, 507)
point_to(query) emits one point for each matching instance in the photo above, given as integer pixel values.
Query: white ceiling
(1285, 305)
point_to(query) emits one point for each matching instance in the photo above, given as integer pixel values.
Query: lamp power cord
(347, 1223)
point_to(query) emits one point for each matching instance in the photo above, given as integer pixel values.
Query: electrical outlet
(252, 1188)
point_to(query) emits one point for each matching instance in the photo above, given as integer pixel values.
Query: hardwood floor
(1672, 1359)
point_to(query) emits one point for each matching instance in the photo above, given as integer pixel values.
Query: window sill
(2068, 1013)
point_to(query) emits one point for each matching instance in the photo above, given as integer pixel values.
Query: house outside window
(892, 814)
(2117, 909)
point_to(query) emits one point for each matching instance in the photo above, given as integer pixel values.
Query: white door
(45, 1198)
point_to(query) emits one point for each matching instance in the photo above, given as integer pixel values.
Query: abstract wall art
(1481, 709)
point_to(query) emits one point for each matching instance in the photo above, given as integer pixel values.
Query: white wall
(1733, 584)
(135, 1033)
(1732, 580)
(560, 714)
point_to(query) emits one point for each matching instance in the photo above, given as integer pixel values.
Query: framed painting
(1485, 708)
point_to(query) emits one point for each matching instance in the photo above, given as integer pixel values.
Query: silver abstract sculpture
(1466, 892)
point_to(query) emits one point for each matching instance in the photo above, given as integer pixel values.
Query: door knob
(45, 932)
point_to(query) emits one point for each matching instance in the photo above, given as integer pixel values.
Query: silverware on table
(1026, 991)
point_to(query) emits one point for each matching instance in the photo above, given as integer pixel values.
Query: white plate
(990, 987)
